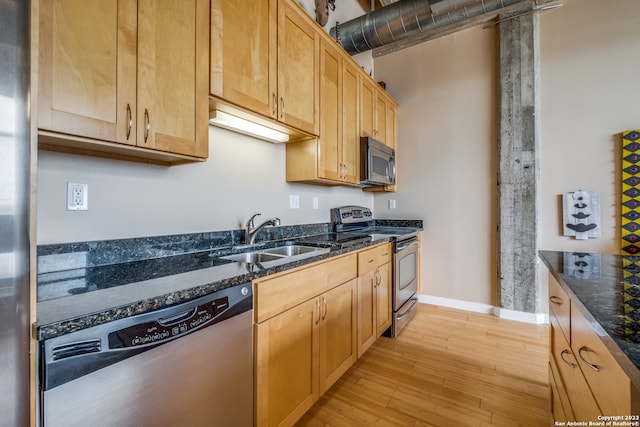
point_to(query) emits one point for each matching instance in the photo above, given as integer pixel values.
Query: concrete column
(519, 165)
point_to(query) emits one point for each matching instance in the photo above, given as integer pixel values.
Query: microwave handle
(392, 169)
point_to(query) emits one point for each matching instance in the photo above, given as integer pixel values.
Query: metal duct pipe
(405, 18)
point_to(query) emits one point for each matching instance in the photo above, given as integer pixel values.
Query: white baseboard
(519, 316)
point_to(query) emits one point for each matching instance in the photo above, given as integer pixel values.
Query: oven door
(405, 271)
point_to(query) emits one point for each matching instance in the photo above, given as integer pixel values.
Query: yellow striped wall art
(630, 242)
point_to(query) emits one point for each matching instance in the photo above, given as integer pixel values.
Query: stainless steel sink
(273, 254)
(291, 250)
(253, 257)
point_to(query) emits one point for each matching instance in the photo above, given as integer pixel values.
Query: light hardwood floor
(447, 368)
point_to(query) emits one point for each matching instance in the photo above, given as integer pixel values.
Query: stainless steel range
(358, 220)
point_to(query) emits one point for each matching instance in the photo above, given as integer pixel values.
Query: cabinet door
(87, 69)
(581, 400)
(366, 312)
(560, 406)
(367, 107)
(609, 384)
(330, 139)
(173, 73)
(380, 129)
(243, 53)
(338, 349)
(287, 379)
(383, 299)
(298, 83)
(350, 123)
(391, 116)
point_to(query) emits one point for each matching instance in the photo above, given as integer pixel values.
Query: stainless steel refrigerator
(15, 155)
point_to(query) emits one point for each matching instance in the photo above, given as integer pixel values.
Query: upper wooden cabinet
(173, 105)
(377, 113)
(87, 69)
(264, 59)
(244, 47)
(298, 46)
(334, 156)
(130, 73)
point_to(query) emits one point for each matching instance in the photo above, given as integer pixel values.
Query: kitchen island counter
(605, 289)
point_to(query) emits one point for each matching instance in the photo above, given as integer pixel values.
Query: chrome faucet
(252, 231)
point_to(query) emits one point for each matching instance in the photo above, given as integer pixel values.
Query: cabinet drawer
(560, 306)
(274, 295)
(608, 382)
(370, 259)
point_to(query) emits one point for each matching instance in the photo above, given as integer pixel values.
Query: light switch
(294, 201)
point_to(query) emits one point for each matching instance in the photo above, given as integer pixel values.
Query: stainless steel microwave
(378, 163)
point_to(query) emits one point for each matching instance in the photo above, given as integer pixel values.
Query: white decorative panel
(581, 214)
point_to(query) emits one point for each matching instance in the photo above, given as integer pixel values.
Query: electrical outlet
(294, 201)
(77, 197)
(392, 204)
(315, 202)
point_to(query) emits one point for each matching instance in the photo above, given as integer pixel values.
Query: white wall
(590, 78)
(446, 158)
(446, 132)
(243, 176)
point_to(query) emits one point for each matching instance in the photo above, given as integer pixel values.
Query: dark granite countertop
(85, 292)
(606, 291)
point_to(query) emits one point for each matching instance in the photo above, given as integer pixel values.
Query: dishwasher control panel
(169, 327)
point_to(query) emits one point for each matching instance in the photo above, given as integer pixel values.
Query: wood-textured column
(518, 170)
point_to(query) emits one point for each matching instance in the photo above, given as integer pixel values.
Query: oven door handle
(406, 243)
(414, 301)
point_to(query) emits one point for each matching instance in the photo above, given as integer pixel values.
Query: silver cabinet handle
(324, 302)
(282, 109)
(318, 308)
(555, 300)
(130, 124)
(589, 364)
(275, 104)
(147, 125)
(573, 365)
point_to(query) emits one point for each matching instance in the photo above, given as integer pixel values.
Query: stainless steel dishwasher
(186, 365)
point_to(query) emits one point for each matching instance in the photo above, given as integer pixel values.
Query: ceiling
(414, 22)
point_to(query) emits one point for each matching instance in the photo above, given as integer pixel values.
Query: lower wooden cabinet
(338, 350)
(374, 295)
(286, 366)
(585, 380)
(302, 349)
(579, 403)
